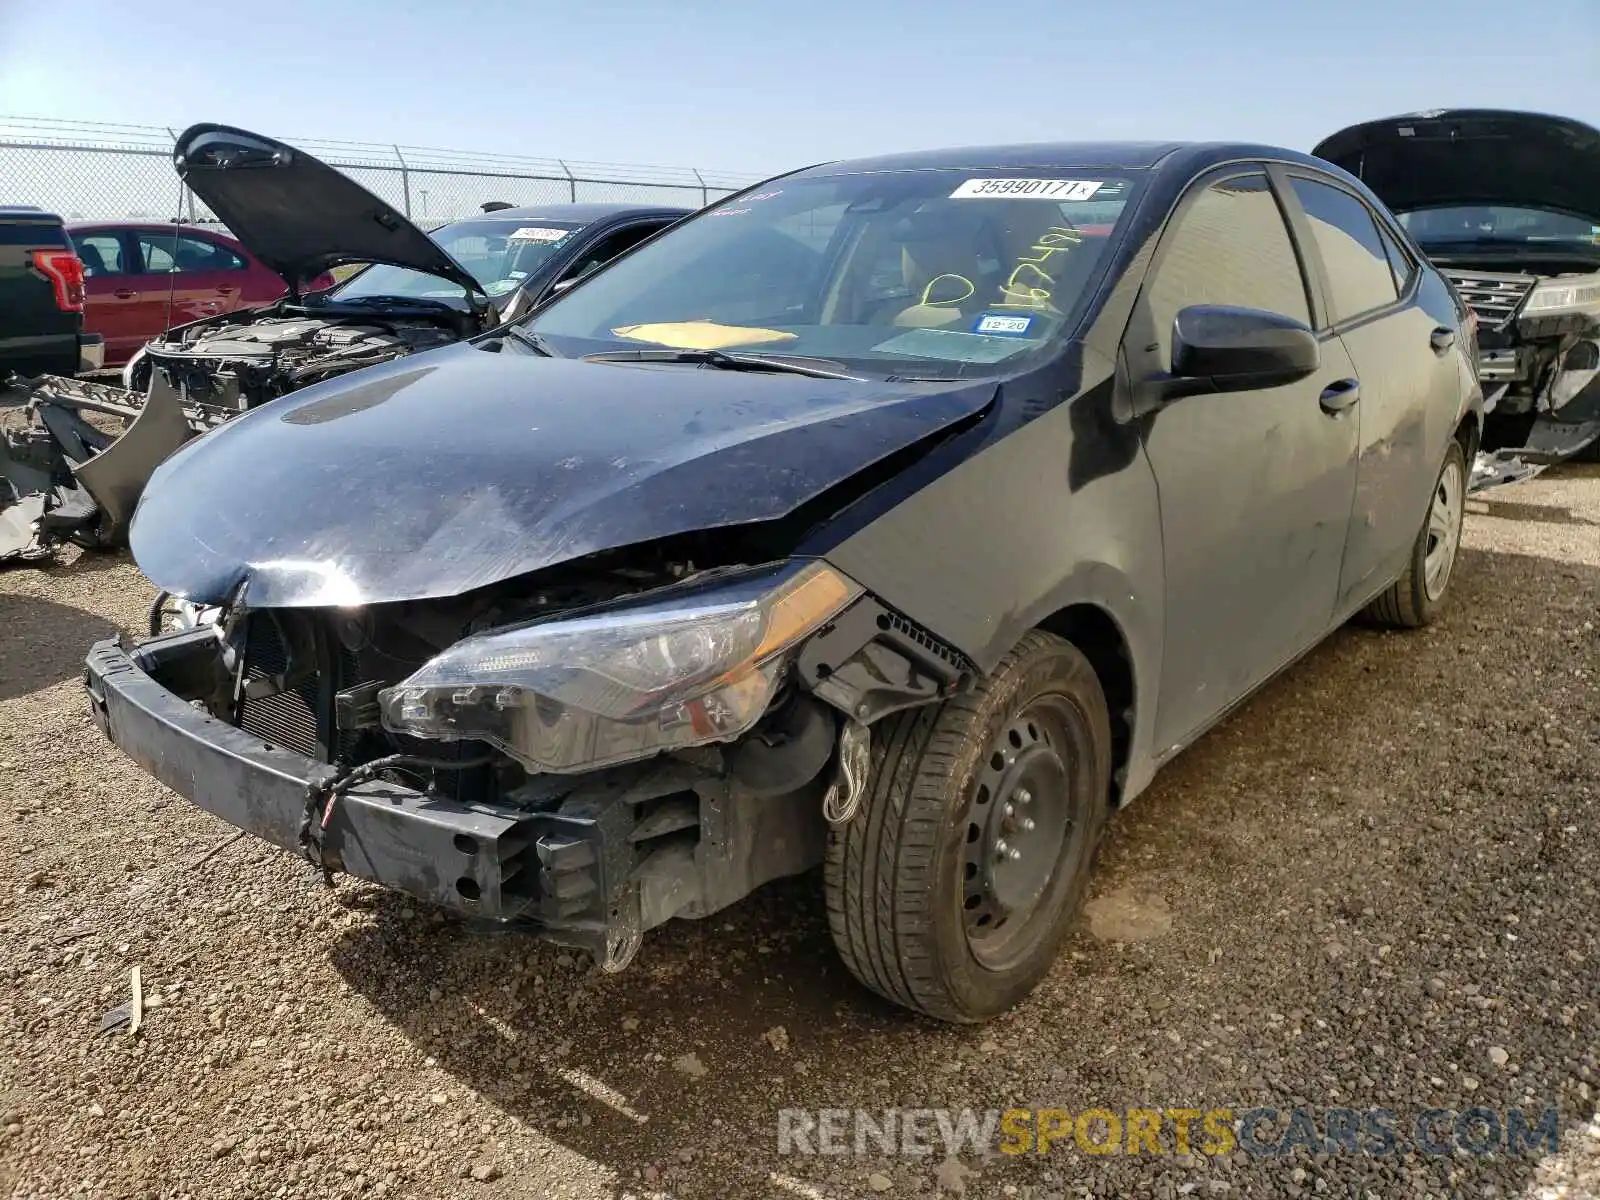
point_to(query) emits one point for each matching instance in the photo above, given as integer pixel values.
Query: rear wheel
(1416, 597)
(950, 891)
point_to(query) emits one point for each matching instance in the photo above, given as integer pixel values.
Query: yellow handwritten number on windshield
(1028, 285)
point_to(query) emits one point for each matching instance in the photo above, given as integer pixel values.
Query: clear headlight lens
(1549, 297)
(574, 695)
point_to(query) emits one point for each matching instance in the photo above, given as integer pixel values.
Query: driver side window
(1229, 245)
(608, 248)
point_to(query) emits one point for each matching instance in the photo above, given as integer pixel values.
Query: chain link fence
(92, 171)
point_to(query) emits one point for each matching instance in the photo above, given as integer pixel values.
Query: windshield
(911, 273)
(499, 254)
(1497, 224)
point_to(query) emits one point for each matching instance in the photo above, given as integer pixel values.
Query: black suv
(41, 298)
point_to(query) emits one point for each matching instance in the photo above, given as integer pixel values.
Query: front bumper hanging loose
(456, 855)
(588, 861)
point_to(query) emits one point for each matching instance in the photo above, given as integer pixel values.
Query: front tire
(1417, 597)
(951, 889)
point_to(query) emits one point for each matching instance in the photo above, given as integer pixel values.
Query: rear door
(203, 278)
(1409, 382)
(115, 304)
(1255, 486)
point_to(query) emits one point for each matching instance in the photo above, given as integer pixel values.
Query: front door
(1255, 486)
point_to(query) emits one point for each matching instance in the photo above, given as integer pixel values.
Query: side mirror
(1237, 349)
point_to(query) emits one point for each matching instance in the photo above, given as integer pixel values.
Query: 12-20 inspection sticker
(1027, 189)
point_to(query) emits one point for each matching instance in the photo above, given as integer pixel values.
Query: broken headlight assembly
(578, 693)
(1557, 295)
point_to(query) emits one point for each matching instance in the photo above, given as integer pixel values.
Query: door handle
(124, 293)
(1337, 397)
(1441, 339)
(226, 291)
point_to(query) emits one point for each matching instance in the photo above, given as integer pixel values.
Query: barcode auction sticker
(539, 233)
(1027, 189)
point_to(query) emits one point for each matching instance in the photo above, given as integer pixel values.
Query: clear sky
(759, 87)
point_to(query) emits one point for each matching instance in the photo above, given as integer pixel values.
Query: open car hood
(439, 473)
(298, 215)
(1466, 156)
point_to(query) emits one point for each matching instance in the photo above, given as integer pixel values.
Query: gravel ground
(1374, 886)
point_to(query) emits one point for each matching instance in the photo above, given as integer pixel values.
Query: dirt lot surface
(1375, 886)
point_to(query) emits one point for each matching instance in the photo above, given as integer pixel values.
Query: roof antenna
(496, 205)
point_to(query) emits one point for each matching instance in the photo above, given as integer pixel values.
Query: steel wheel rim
(1024, 831)
(1444, 529)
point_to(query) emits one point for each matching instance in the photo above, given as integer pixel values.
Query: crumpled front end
(585, 754)
(1539, 362)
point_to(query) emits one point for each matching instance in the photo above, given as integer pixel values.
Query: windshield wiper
(723, 362)
(531, 340)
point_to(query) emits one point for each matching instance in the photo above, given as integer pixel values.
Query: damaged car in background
(898, 516)
(301, 218)
(1507, 205)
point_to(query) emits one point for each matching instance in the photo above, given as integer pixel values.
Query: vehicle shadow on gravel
(43, 642)
(1538, 513)
(1374, 878)
(76, 563)
(71, 562)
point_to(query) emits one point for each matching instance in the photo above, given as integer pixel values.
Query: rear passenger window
(163, 253)
(1351, 249)
(101, 253)
(1229, 246)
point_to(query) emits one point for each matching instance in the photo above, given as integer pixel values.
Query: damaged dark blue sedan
(899, 517)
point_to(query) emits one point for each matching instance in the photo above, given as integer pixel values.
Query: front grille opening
(1493, 296)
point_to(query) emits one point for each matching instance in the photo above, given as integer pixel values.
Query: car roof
(128, 223)
(1104, 156)
(584, 212)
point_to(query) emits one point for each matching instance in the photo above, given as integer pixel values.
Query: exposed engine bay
(1539, 359)
(1507, 205)
(236, 362)
(65, 480)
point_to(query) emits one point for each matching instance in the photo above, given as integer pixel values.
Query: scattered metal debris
(135, 1000)
(115, 1019)
(62, 479)
(220, 846)
(1491, 470)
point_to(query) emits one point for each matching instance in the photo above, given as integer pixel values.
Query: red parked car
(143, 278)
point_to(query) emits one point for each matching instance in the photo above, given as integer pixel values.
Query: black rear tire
(912, 878)
(1411, 601)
